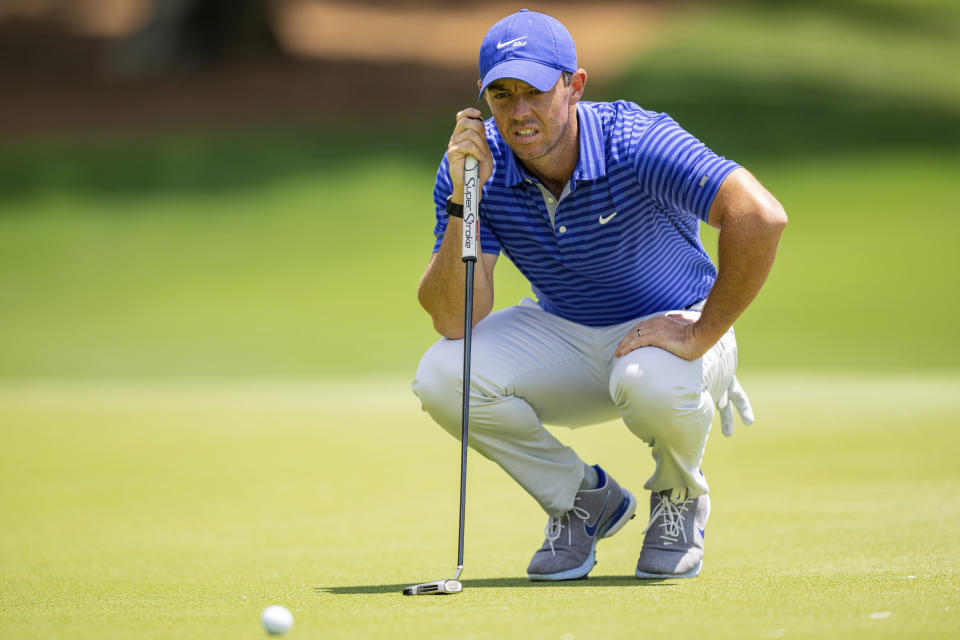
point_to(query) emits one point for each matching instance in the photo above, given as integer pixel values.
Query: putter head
(435, 588)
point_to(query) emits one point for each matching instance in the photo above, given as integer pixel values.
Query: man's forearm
(747, 248)
(441, 290)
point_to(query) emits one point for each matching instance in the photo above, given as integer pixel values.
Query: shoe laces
(671, 518)
(554, 528)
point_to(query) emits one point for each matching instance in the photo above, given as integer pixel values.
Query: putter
(471, 234)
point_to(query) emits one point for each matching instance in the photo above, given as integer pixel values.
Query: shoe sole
(628, 507)
(667, 576)
(570, 574)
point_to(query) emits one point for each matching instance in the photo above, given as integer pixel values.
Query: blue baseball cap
(529, 46)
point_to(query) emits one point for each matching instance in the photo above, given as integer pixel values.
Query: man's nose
(521, 107)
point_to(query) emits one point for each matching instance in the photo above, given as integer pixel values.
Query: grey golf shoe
(569, 550)
(673, 544)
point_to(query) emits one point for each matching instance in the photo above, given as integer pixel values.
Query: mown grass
(182, 509)
(317, 275)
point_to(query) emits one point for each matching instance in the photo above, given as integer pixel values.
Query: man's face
(532, 122)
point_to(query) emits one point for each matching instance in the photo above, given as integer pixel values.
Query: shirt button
(551, 200)
(563, 229)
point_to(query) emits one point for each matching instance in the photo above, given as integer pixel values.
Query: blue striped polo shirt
(626, 239)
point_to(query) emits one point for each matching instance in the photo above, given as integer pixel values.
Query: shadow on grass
(785, 118)
(740, 118)
(932, 19)
(214, 162)
(505, 583)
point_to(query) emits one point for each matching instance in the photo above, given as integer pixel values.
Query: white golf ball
(276, 619)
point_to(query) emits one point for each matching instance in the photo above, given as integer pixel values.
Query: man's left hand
(675, 332)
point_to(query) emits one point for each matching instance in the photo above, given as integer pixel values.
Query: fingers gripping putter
(471, 234)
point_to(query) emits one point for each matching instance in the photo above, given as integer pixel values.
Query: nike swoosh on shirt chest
(606, 219)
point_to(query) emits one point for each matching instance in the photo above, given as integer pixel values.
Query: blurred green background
(287, 247)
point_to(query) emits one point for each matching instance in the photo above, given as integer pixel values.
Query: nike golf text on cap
(529, 46)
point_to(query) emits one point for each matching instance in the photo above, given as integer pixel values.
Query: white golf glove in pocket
(734, 396)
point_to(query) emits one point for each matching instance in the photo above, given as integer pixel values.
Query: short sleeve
(677, 170)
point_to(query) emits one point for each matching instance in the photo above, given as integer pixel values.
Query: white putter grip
(471, 210)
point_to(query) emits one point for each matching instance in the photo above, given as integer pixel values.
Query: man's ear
(577, 84)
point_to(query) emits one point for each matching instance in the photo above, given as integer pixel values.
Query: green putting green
(169, 510)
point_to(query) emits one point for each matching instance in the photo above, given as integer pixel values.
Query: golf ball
(276, 619)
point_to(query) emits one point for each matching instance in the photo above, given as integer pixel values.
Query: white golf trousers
(531, 368)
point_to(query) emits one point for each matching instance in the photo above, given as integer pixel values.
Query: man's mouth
(525, 133)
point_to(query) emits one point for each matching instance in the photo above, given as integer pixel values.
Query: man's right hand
(469, 138)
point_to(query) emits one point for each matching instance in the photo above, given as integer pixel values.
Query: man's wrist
(706, 334)
(454, 209)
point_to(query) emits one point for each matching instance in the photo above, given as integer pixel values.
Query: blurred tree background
(212, 188)
(199, 32)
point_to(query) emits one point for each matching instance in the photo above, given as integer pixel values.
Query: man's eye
(500, 95)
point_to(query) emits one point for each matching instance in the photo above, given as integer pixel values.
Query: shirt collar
(590, 164)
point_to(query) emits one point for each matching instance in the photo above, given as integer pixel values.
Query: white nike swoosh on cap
(501, 45)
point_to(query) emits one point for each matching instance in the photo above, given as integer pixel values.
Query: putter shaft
(471, 232)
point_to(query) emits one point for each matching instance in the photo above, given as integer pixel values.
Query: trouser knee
(439, 384)
(661, 397)
(495, 413)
